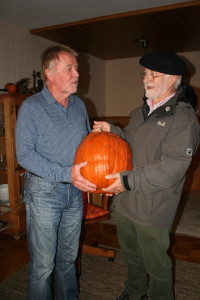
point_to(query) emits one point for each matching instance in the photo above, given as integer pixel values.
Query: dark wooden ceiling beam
(175, 28)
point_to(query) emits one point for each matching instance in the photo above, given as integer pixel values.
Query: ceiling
(110, 29)
(41, 13)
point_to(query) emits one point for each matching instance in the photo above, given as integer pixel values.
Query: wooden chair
(95, 210)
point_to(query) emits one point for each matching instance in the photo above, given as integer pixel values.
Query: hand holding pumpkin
(79, 181)
(106, 154)
(101, 126)
(116, 187)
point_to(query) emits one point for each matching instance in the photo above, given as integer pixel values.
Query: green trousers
(148, 265)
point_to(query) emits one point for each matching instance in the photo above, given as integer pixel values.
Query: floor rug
(103, 280)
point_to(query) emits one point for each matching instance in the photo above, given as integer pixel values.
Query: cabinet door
(10, 121)
(12, 209)
(10, 172)
(4, 194)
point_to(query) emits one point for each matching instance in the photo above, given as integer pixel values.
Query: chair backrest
(94, 206)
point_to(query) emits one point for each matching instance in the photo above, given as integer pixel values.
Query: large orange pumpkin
(106, 153)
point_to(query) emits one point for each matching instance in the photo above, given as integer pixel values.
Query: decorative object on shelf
(23, 84)
(33, 90)
(40, 83)
(39, 87)
(11, 87)
(4, 194)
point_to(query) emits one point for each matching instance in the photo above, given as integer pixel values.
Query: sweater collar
(50, 99)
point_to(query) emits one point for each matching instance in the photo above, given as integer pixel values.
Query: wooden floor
(14, 253)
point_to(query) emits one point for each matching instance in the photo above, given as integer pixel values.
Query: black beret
(164, 62)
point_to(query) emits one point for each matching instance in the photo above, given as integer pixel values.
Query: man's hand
(116, 187)
(101, 126)
(79, 181)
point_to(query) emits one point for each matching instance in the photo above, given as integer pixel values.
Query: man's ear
(172, 79)
(49, 74)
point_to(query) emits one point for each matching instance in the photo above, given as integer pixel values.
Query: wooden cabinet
(12, 209)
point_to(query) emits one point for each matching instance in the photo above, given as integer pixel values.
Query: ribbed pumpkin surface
(106, 153)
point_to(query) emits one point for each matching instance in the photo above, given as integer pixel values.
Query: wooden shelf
(4, 209)
(3, 172)
(12, 213)
(5, 226)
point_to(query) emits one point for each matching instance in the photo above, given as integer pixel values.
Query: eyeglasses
(150, 77)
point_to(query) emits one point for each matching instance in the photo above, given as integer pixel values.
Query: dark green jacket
(163, 145)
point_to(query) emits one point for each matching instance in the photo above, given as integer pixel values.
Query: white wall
(124, 88)
(92, 82)
(19, 53)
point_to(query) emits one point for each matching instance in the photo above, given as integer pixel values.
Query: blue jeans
(54, 217)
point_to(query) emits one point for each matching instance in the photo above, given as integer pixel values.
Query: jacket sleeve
(178, 148)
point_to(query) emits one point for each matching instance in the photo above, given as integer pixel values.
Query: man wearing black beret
(164, 135)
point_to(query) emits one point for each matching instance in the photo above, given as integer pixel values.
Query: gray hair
(178, 82)
(51, 54)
